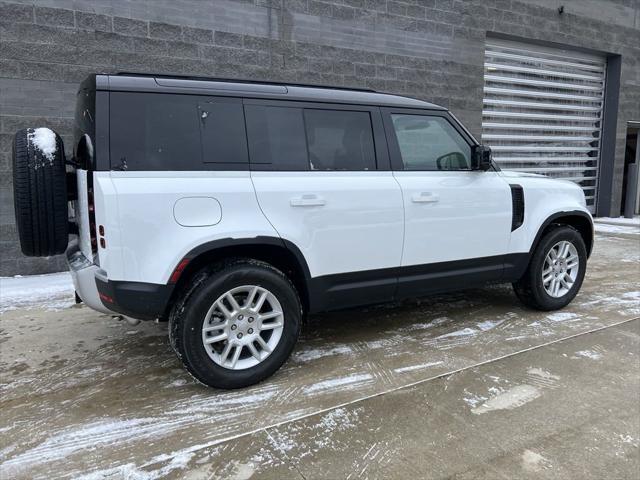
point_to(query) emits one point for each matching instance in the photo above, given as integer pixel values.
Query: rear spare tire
(40, 192)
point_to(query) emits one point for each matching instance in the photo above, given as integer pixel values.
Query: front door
(457, 220)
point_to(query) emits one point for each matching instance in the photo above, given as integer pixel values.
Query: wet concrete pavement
(470, 385)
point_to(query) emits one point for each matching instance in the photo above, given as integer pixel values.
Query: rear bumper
(144, 301)
(83, 273)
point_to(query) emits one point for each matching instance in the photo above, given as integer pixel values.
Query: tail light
(92, 223)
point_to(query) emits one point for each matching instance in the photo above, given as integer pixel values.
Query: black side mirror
(481, 158)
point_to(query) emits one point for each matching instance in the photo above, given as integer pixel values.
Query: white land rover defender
(234, 208)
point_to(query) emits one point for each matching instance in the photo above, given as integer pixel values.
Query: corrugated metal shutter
(543, 111)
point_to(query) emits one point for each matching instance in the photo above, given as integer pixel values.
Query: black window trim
(392, 140)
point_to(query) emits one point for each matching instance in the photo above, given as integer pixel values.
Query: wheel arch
(577, 219)
(282, 254)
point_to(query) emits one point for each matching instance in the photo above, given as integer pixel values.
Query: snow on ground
(635, 221)
(50, 292)
(624, 229)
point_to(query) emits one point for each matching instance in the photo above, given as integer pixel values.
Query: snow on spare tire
(40, 192)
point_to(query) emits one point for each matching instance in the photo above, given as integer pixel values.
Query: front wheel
(237, 324)
(556, 270)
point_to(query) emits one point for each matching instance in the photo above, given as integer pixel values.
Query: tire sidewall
(197, 306)
(546, 301)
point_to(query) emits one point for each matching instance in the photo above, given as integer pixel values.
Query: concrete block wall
(429, 49)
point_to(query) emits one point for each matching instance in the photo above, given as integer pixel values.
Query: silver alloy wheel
(243, 327)
(560, 269)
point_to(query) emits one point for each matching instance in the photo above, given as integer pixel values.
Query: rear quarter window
(154, 132)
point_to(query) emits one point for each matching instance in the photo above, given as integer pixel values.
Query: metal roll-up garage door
(542, 111)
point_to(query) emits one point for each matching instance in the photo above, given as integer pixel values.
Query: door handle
(425, 197)
(309, 200)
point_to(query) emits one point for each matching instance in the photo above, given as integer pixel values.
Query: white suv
(232, 209)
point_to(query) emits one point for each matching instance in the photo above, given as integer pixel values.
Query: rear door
(457, 220)
(322, 178)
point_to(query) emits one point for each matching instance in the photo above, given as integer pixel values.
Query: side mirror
(481, 158)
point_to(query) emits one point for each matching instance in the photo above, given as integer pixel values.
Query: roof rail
(239, 80)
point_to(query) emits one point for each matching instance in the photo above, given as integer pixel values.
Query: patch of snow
(52, 292)
(459, 333)
(416, 367)
(338, 382)
(613, 229)
(489, 324)
(534, 462)
(538, 372)
(618, 220)
(508, 400)
(472, 399)
(562, 316)
(593, 355)
(44, 140)
(90, 436)
(315, 353)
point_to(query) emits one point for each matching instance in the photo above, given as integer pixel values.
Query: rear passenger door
(322, 178)
(457, 220)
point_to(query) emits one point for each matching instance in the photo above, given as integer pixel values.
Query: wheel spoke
(269, 315)
(556, 287)
(547, 279)
(223, 308)
(236, 355)
(547, 271)
(263, 344)
(215, 326)
(553, 254)
(254, 350)
(565, 249)
(566, 282)
(270, 326)
(225, 353)
(260, 302)
(250, 297)
(217, 338)
(232, 301)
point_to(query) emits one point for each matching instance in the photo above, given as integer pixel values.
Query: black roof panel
(137, 82)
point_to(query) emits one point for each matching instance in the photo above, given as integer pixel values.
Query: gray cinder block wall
(430, 49)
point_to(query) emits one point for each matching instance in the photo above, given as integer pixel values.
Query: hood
(511, 174)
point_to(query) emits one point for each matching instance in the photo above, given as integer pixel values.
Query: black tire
(189, 312)
(40, 196)
(530, 290)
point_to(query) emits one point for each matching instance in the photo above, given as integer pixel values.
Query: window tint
(430, 143)
(224, 141)
(339, 140)
(152, 131)
(276, 138)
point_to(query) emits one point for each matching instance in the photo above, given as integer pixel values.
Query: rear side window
(276, 138)
(298, 139)
(339, 140)
(151, 131)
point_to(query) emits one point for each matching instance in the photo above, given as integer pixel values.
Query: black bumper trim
(144, 301)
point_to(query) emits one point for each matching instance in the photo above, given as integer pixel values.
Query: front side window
(339, 140)
(430, 143)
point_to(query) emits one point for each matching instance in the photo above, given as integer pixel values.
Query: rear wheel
(237, 323)
(556, 270)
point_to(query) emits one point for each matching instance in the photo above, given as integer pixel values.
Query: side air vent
(517, 202)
